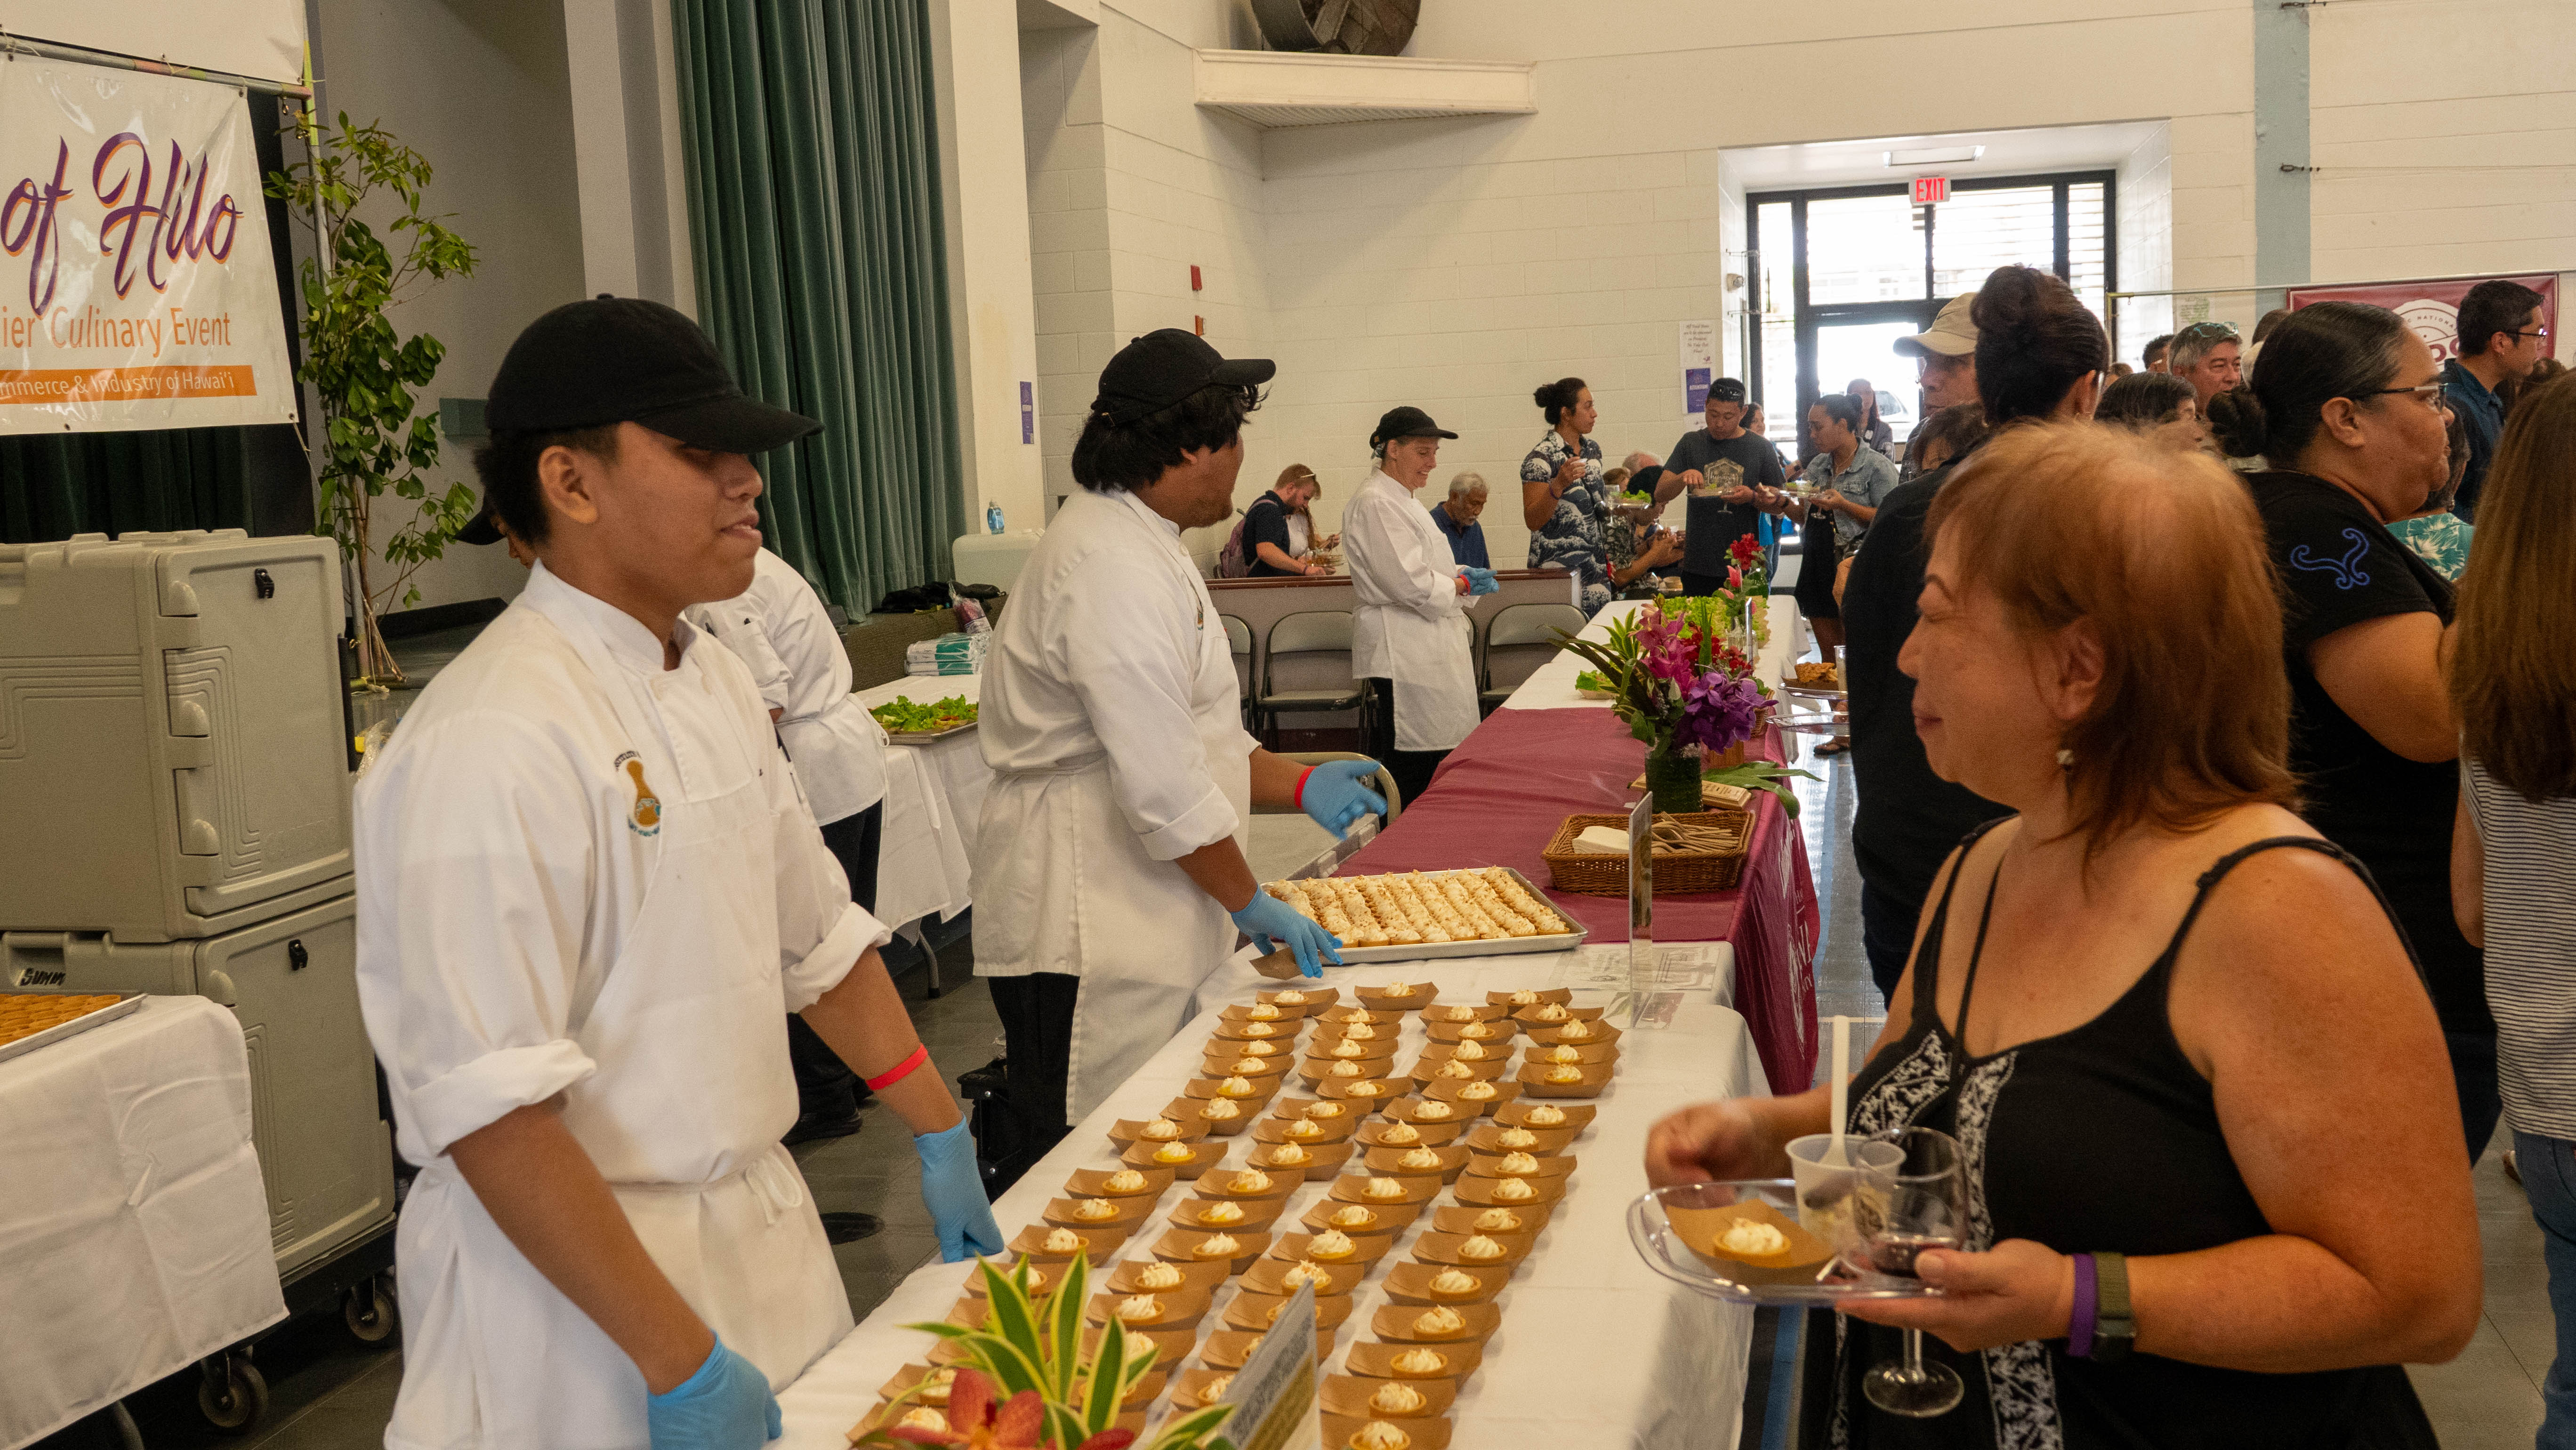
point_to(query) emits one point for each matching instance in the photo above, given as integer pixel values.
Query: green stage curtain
(55, 485)
(815, 213)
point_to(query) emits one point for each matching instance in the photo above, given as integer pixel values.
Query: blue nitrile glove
(1266, 918)
(726, 1405)
(1333, 796)
(954, 1193)
(1481, 581)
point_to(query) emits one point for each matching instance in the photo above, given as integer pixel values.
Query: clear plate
(1652, 1228)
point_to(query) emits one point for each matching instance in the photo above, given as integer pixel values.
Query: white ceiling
(2008, 153)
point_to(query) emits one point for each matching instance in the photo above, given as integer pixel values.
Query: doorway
(1843, 272)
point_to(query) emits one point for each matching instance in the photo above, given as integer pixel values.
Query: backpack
(1233, 561)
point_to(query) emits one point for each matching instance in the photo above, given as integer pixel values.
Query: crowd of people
(2214, 729)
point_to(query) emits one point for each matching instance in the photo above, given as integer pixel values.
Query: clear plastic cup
(1836, 1196)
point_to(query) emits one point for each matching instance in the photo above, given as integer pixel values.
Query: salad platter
(909, 723)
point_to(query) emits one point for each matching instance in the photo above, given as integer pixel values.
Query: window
(1845, 271)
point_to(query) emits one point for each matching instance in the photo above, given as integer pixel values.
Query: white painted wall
(482, 88)
(1458, 263)
(2145, 236)
(991, 295)
(2445, 134)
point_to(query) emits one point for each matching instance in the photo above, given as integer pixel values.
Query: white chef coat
(582, 875)
(780, 630)
(1111, 722)
(1410, 625)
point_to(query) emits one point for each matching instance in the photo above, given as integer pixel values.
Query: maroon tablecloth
(1499, 798)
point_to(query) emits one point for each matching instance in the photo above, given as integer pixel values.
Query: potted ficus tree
(375, 440)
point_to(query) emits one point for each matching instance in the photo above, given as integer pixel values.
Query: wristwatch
(2115, 1331)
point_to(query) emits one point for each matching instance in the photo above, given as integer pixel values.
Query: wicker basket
(1677, 873)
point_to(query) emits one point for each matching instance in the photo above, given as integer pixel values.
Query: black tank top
(2101, 1137)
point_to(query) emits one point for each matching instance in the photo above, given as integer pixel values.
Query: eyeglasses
(2518, 333)
(2429, 394)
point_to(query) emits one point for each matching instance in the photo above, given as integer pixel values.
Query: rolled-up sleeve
(1133, 660)
(821, 932)
(474, 877)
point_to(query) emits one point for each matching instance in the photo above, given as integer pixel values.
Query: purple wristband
(2079, 1321)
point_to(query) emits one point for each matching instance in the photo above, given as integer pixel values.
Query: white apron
(1069, 888)
(1399, 561)
(494, 1355)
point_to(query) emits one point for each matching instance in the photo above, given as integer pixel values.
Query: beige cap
(1952, 334)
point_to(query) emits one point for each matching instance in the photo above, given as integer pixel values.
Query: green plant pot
(1672, 778)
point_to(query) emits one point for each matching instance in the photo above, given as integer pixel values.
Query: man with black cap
(587, 889)
(1114, 878)
(1409, 632)
(1725, 469)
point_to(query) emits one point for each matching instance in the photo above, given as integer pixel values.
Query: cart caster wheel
(367, 1311)
(236, 1401)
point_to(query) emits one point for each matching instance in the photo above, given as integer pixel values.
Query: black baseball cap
(626, 360)
(1406, 422)
(618, 359)
(1726, 390)
(1166, 366)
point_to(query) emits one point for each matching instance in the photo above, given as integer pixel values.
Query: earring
(2065, 759)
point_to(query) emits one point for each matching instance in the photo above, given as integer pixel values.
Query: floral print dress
(1576, 537)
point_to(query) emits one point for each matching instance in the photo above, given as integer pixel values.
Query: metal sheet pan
(1424, 951)
(60, 1030)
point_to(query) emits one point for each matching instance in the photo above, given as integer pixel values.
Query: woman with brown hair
(2119, 1004)
(2346, 406)
(2513, 853)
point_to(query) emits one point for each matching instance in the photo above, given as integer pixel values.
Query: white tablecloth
(1595, 1349)
(934, 798)
(1551, 685)
(134, 1233)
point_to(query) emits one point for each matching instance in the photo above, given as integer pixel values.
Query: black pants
(1411, 768)
(826, 1089)
(1037, 1030)
(1700, 586)
(1886, 935)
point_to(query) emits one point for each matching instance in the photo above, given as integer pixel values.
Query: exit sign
(1931, 189)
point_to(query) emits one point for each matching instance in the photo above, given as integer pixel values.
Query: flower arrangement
(1023, 1382)
(1683, 688)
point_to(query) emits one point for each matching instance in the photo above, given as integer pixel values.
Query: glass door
(1844, 272)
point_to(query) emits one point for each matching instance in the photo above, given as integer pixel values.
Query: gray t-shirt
(2530, 909)
(1711, 523)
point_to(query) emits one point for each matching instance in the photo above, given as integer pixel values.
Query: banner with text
(2432, 309)
(137, 288)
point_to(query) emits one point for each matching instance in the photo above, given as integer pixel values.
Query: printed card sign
(137, 287)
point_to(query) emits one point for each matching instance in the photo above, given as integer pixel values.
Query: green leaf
(1012, 1317)
(1064, 1315)
(1190, 1429)
(1108, 1379)
(1063, 1427)
(1010, 1368)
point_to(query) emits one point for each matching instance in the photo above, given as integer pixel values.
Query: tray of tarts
(1302, 999)
(29, 1020)
(1410, 916)
(1495, 1034)
(1415, 1362)
(1079, 1214)
(1427, 1069)
(1169, 1309)
(1333, 1247)
(1563, 1079)
(1425, 1113)
(1118, 1182)
(1371, 1190)
(1397, 996)
(1258, 1312)
(1474, 1251)
(1282, 1277)
(1473, 1095)
(1156, 1276)
(1507, 1192)
(1155, 1130)
(1573, 1117)
(1575, 1034)
(1444, 1164)
(1492, 1137)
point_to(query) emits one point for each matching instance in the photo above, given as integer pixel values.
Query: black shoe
(849, 1228)
(814, 1130)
